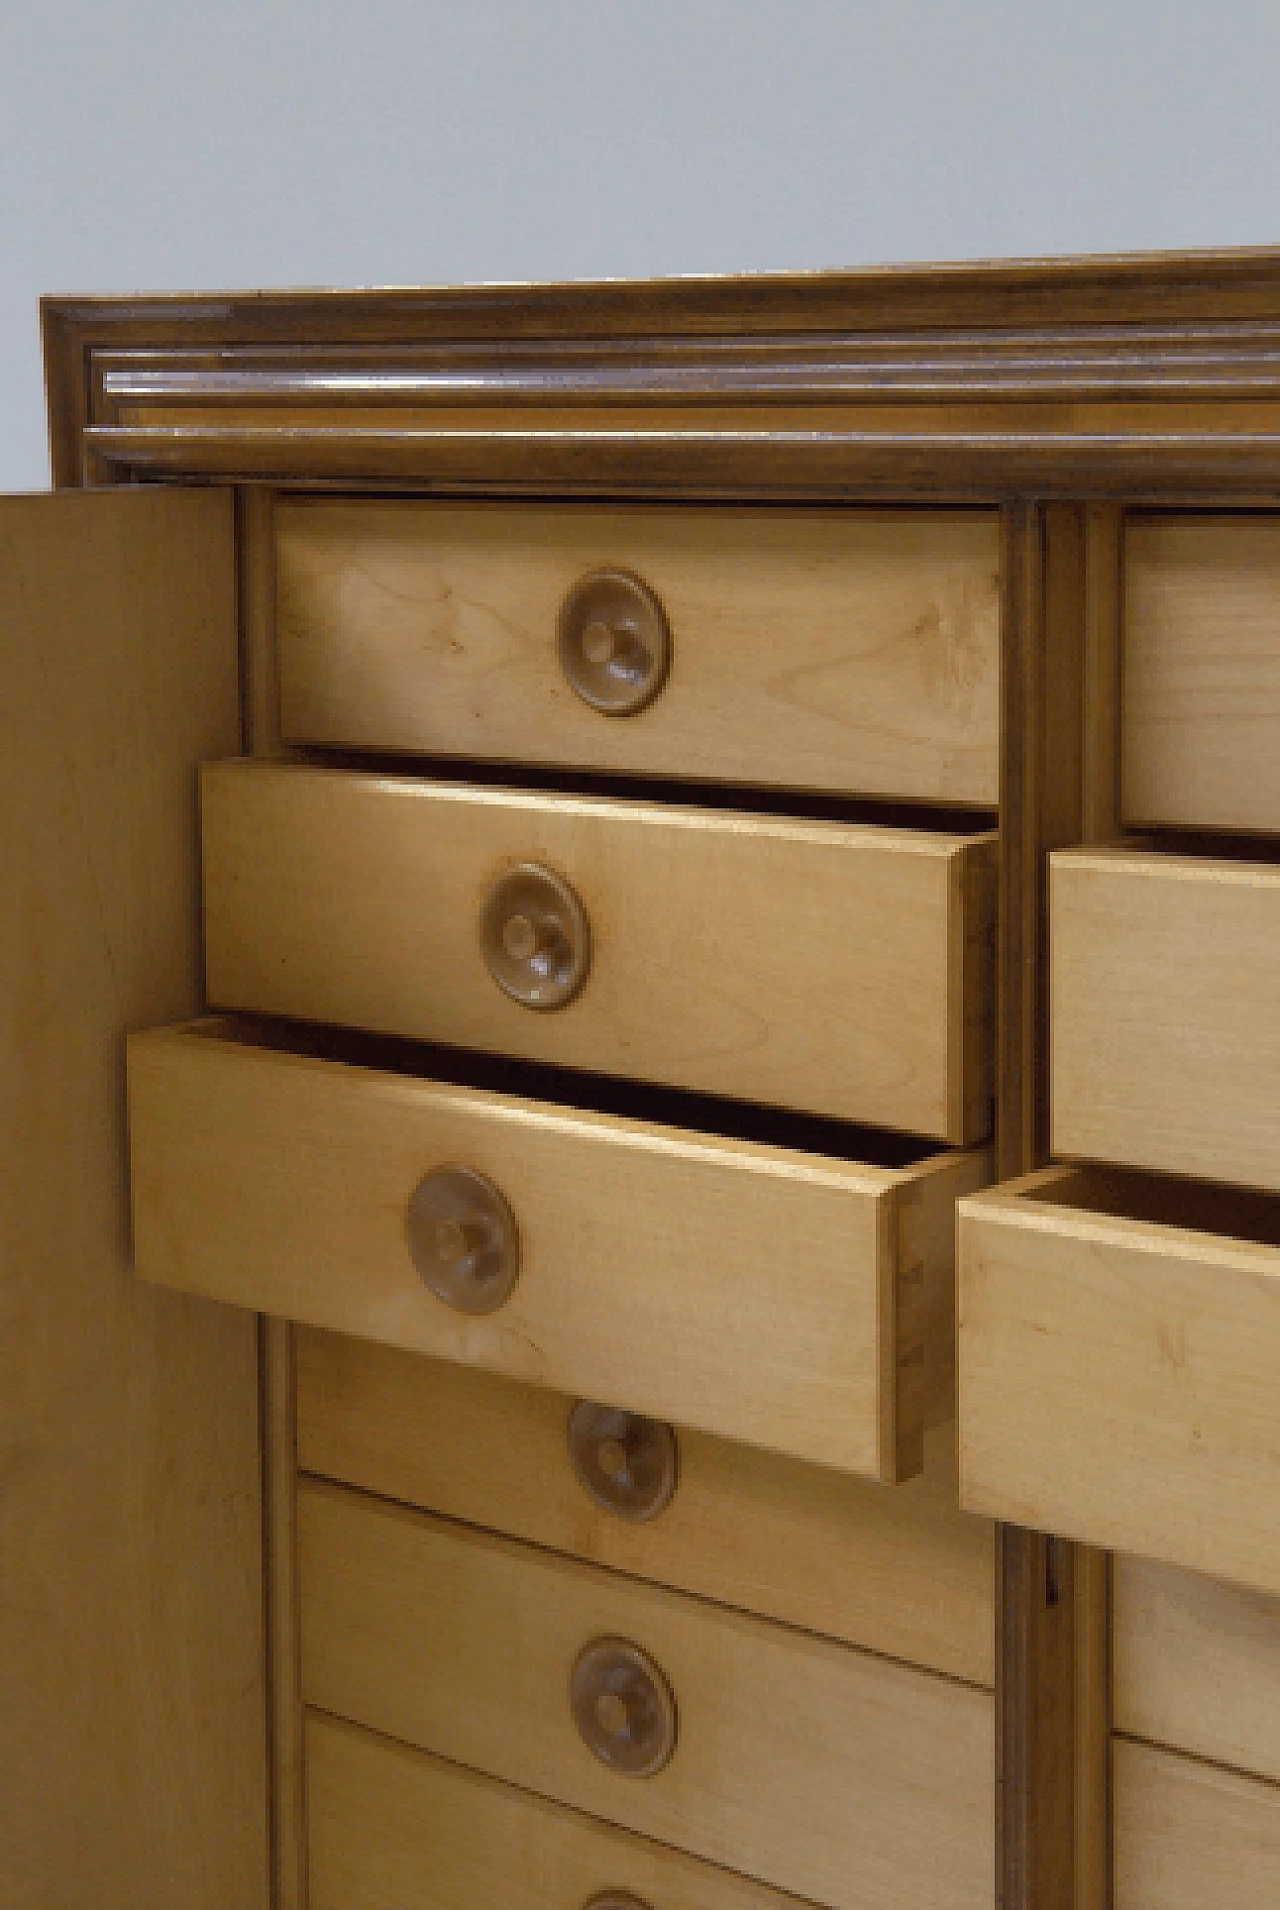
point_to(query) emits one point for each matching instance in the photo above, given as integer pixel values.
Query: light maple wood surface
(391, 1827)
(837, 968)
(1165, 1013)
(1202, 671)
(657, 1267)
(132, 1753)
(1116, 1370)
(1197, 1665)
(1189, 1836)
(823, 1771)
(844, 650)
(899, 1570)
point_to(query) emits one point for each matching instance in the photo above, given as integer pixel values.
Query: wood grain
(1197, 1665)
(392, 1826)
(1202, 672)
(131, 1656)
(650, 1259)
(1115, 1371)
(1188, 1835)
(432, 627)
(719, 942)
(1165, 1013)
(823, 1771)
(901, 1572)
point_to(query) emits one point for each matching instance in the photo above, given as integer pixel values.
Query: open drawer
(1119, 1344)
(698, 1273)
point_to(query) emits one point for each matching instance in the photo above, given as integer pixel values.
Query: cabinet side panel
(132, 1769)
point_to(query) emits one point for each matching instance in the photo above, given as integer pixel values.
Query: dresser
(641, 1182)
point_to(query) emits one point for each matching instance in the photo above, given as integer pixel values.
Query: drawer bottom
(389, 1826)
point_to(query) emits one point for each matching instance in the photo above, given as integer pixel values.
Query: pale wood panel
(1117, 1375)
(902, 1571)
(845, 650)
(1197, 1664)
(823, 1771)
(842, 969)
(657, 1266)
(391, 1826)
(1202, 672)
(132, 1761)
(1189, 1837)
(1165, 1014)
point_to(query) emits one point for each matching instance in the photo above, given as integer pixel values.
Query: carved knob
(614, 642)
(535, 937)
(625, 1463)
(623, 1707)
(463, 1239)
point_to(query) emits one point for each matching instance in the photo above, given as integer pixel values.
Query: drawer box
(1165, 1013)
(904, 1573)
(389, 1827)
(1188, 1836)
(846, 650)
(820, 1770)
(841, 969)
(1197, 1665)
(1118, 1345)
(1200, 739)
(796, 1301)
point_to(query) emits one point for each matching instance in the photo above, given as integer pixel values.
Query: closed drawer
(1118, 1345)
(904, 1573)
(796, 1301)
(840, 969)
(1188, 1836)
(1165, 1013)
(390, 1827)
(823, 1771)
(1201, 672)
(1197, 1665)
(829, 650)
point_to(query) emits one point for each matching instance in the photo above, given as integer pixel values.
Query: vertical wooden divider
(287, 1802)
(1051, 1786)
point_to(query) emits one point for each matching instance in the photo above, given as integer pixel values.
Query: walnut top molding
(1150, 376)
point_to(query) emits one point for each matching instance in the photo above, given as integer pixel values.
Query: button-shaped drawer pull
(614, 642)
(535, 936)
(615, 1900)
(463, 1239)
(627, 1464)
(623, 1707)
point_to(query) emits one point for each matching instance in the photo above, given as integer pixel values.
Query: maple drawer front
(1201, 700)
(389, 1826)
(1188, 1835)
(798, 1302)
(1118, 1342)
(822, 1771)
(840, 969)
(842, 650)
(904, 1573)
(1165, 1013)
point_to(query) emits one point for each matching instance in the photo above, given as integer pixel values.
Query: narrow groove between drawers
(367, 1495)
(545, 1797)
(1198, 1758)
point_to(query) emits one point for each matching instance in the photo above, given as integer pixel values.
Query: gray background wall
(178, 144)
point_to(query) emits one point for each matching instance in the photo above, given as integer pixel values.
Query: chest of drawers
(639, 1209)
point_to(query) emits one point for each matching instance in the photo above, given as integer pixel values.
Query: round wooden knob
(615, 1900)
(463, 1239)
(614, 642)
(535, 936)
(625, 1463)
(623, 1707)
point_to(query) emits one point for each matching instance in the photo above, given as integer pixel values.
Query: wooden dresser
(641, 1173)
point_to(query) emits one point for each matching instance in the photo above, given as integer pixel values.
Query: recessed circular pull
(625, 1463)
(623, 1707)
(463, 1239)
(615, 1900)
(614, 642)
(535, 936)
